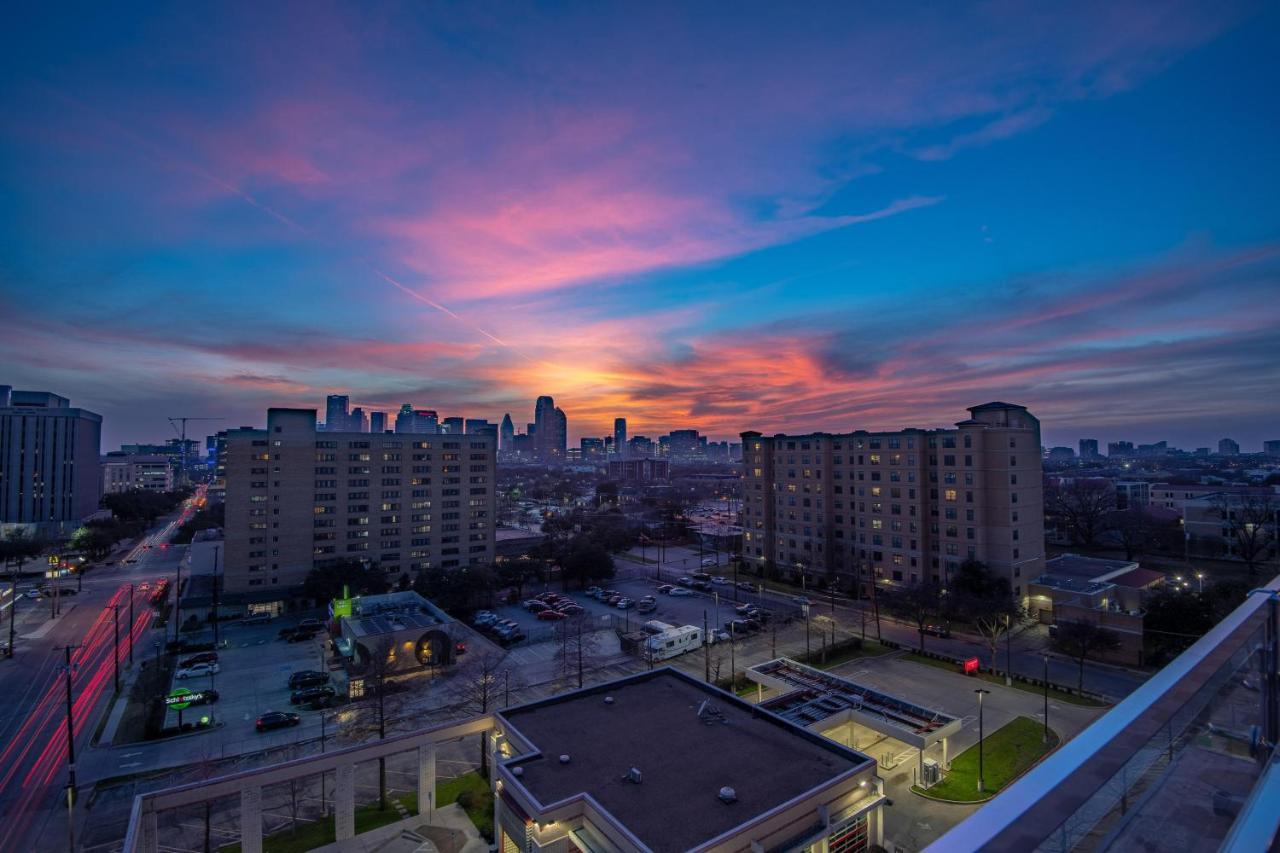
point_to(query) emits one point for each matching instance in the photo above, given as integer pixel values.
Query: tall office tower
(550, 432)
(377, 422)
(453, 426)
(1271, 448)
(1119, 449)
(506, 434)
(336, 412)
(297, 498)
(1088, 449)
(356, 421)
(898, 507)
(50, 478)
(1228, 447)
(404, 419)
(620, 436)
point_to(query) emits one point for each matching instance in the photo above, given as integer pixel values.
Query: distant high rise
(453, 426)
(49, 463)
(1088, 449)
(550, 430)
(1119, 449)
(336, 412)
(377, 422)
(416, 421)
(620, 436)
(356, 421)
(1228, 447)
(1271, 448)
(591, 448)
(506, 435)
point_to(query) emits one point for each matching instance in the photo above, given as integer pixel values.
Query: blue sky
(725, 216)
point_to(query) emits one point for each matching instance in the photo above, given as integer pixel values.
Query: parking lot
(254, 667)
(716, 606)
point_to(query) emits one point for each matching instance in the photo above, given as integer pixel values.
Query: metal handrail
(1038, 803)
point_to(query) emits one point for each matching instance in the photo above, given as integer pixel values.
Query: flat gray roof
(1084, 568)
(1084, 587)
(653, 724)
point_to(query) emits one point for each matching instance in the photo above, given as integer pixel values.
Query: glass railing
(1173, 767)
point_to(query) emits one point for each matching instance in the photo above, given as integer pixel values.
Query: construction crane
(182, 435)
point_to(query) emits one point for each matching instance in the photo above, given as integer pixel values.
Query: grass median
(1006, 755)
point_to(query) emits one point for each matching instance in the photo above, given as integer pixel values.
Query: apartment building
(297, 498)
(898, 507)
(124, 472)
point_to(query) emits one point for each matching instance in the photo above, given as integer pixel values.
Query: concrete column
(945, 765)
(426, 780)
(344, 802)
(877, 825)
(251, 819)
(150, 831)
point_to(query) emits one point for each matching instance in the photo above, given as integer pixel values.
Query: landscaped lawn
(1006, 754)
(477, 799)
(1054, 693)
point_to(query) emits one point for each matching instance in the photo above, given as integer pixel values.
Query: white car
(708, 561)
(196, 671)
(679, 592)
(720, 581)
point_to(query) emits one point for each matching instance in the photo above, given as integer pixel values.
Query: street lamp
(1200, 580)
(805, 609)
(1046, 698)
(981, 691)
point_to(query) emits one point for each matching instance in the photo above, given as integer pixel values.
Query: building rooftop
(688, 740)
(375, 615)
(1070, 584)
(1085, 568)
(1138, 578)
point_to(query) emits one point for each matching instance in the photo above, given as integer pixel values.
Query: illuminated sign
(181, 698)
(970, 665)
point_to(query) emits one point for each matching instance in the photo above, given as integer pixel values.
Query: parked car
(196, 670)
(746, 585)
(744, 609)
(646, 606)
(708, 561)
(718, 635)
(612, 600)
(535, 606)
(684, 581)
(738, 627)
(801, 599)
(700, 576)
(203, 657)
(624, 604)
(310, 624)
(485, 617)
(679, 592)
(307, 678)
(310, 694)
(551, 616)
(571, 609)
(204, 697)
(702, 585)
(592, 590)
(256, 619)
(301, 635)
(665, 588)
(720, 581)
(276, 720)
(936, 630)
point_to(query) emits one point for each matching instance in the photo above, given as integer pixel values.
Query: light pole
(981, 691)
(68, 669)
(130, 624)
(217, 549)
(805, 609)
(1200, 580)
(115, 632)
(716, 620)
(1046, 698)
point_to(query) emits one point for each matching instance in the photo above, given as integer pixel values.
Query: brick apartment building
(899, 507)
(297, 498)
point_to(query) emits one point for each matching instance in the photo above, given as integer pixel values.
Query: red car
(551, 615)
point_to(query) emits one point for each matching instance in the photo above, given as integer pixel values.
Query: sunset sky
(723, 216)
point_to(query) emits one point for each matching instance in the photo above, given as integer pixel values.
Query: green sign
(181, 698)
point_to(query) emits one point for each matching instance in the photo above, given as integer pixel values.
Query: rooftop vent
(564, 759)
(728, 795)
(608, 700)
(633, 775)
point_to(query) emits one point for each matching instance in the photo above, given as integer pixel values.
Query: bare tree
(1250, 522)
(917, 603)
(1078, 640)
(575, 644)
(477, 685)
(380, 699)
(1084, 505)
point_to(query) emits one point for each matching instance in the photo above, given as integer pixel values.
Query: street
(34, 762)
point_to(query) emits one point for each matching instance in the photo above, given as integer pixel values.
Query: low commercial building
(663, 762)
(125, 473)
(1109, 593)
(406, 627)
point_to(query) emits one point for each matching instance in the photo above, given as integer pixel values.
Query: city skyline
(892, 215)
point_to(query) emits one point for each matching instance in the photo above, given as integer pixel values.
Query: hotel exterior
(898, 507)
(297, 498)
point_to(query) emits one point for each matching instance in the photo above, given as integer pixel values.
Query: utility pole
(115, 631)
(706, 649)
(217, 549)
(130, 624)
(68, 669)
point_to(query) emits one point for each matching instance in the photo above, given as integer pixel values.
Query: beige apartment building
(297, 498)
(124, 473)
(898, 507)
